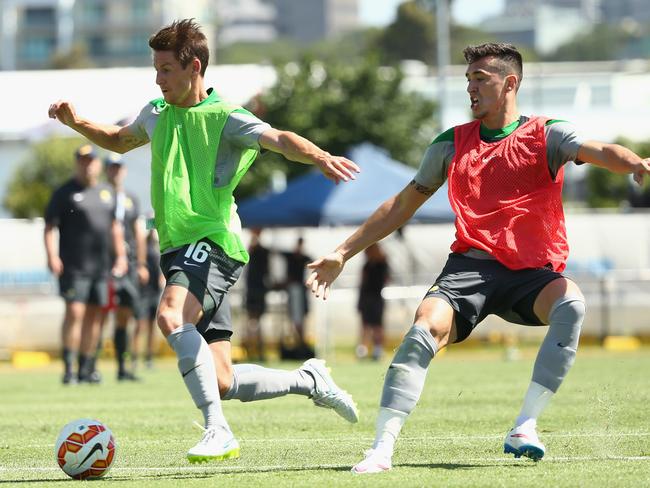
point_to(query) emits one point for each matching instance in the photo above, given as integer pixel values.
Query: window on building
(97, 45)
(94, 12)
(38, 17)
(139, 45)
(141, 10)
(37, 50)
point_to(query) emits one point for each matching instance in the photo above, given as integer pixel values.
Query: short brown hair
(185, 39)
(507, 54)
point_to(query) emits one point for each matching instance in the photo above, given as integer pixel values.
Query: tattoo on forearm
(422, 189)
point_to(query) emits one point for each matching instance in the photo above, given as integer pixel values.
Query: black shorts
(85, 289)
(476, 288)
(371, 308)
(256, 301)
(127, 293)
(208, 273)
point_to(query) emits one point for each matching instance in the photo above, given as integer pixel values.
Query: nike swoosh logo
(189, 371)
(559, 344)
(96, 447)
(191, 264)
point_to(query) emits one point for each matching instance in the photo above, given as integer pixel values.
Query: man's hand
(120, 267)
(63, 111)
(324, 271)
(143, 274)
(337, 168)
(55, 265)
(641, 170)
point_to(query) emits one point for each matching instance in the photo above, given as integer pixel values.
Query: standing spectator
(127, 287)
(298, 304)
(257, 286)
(83, 211)
(151, 292)
(374, 276)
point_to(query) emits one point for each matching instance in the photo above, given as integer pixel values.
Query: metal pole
(442, 23)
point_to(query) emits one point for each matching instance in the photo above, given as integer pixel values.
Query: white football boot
(216, 444)
(374, 462)
(523, 441)
(327, 394)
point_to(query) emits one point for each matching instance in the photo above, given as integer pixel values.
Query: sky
(382, 12)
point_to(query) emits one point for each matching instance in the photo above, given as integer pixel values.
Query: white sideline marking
(546, 435)
(280, 467)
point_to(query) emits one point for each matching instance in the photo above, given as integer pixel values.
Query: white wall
(33, 320)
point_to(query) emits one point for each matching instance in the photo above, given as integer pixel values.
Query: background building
(109, 32)
(245, 21)
(266, 20)
(311, 20)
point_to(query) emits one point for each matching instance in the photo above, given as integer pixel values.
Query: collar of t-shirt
(493, 135)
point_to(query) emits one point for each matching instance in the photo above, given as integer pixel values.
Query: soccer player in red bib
(504, 174)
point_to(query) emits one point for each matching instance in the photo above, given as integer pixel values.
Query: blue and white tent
(313, 200)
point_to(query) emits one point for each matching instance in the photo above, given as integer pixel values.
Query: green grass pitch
(597, 429)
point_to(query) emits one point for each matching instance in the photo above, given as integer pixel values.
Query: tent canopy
(312, 200)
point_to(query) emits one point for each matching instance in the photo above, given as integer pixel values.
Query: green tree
(48, 165)
(603, 42)
(339, 106)
(607, 189)
(77, 57)
(412, 35)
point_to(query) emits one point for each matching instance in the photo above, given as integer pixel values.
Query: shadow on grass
(453, 466)
(41, 480)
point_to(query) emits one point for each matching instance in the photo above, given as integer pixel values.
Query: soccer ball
(85, 449)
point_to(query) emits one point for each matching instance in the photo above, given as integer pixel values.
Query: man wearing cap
(128, 286)
(83, 211)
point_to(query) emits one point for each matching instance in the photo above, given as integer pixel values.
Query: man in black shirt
(83, 211)
(150, 296)
(298, 304)
(374, 276)
(257, 286)
(127, 288)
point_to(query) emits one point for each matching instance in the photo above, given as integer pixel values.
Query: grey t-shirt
(562, 144)
(242, 131)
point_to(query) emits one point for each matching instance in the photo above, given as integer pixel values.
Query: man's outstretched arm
(390, 216)
(112, 137)
(297, 148)
(615, 158)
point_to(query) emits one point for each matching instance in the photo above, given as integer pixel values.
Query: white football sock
(535, 401)
(388, 426)
(196, 364)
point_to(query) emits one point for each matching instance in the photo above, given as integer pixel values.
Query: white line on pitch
(365, 439)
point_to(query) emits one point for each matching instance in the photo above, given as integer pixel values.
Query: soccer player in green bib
(201, 147)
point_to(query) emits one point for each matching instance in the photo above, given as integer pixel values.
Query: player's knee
(168, 320)
(437, 316)
(440, 330)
